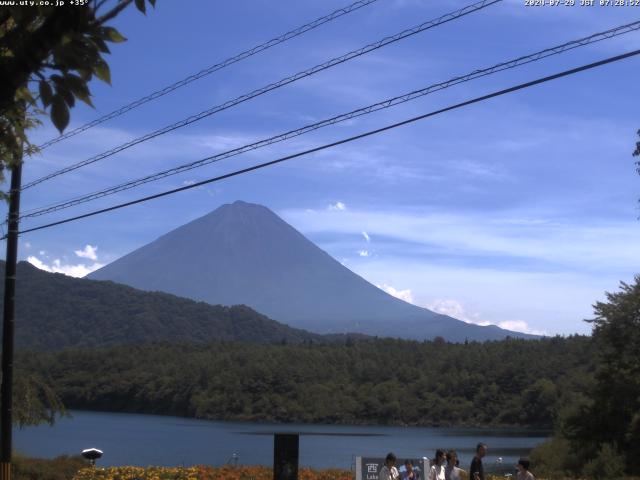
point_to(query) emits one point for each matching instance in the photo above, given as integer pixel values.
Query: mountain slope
(55, 311)
(243, 253)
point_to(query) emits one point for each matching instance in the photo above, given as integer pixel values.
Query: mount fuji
(243, 253)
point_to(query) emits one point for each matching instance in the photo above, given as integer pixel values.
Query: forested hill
(509, 382)
(56, 311)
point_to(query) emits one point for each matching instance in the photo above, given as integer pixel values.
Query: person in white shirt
(437, 469)
(389, 470)
(451, 471)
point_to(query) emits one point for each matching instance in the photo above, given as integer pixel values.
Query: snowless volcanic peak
(243, 253)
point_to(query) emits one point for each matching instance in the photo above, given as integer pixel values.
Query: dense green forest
(510, 382)
(586, 388)
(55, 311)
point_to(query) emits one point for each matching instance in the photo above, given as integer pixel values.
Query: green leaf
(101, 69)
(45, 93)
(57, 79)
(79, 88)
(85, 98)
(140, 5)
(75, 83)
(112, 35)
(85, 74)
(100, 44)
(63, 91)
(59, 113)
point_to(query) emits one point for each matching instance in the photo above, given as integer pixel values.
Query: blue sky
(520, 211)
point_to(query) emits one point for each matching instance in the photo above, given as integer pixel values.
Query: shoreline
(544, 431)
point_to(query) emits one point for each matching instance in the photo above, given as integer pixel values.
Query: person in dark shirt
(476, 472)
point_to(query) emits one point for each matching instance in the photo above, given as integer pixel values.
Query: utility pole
(6, 388)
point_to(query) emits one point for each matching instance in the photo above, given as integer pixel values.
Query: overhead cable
(340, 142)
(272, 86)
(211, 69)
(390, 102)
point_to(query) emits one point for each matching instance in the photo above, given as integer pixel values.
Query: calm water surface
(129, 439)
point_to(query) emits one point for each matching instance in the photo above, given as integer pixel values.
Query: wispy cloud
(508, 234)
(511, 265)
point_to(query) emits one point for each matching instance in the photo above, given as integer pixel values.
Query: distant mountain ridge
(54, 311)
(243, 253)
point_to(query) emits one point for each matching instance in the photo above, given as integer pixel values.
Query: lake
(130, 439)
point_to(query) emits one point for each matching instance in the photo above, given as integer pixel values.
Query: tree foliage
(603, 432)
(55, 311)
(48, 56)
(34, 400)
(511, 382)
(612, 419)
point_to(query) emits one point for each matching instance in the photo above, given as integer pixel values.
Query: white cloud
(88, 252)
(364, 253)
(57, 266)
(405, 295)
(366, 236)
(27, 245)
(188, 182)
(453, 308)
(42, 252)
(338, 206)
(520, 326)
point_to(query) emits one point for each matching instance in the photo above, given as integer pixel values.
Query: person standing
(451, 471)
(389, 470)
(523, 470)
(409, 472)
(437, 469)
(476, 472)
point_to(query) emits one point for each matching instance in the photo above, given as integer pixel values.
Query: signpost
(368, 468)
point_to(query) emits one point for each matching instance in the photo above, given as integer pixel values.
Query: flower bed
(203, 473)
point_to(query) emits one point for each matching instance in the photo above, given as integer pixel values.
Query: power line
(261, 91)
(343, 141)
(596, 37)
(213, 68)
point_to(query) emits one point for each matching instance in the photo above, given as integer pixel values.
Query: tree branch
(99, 4)
(114, 12)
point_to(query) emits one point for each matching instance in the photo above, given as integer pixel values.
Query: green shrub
(607, 465)
(552, 459)
(59, 468)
